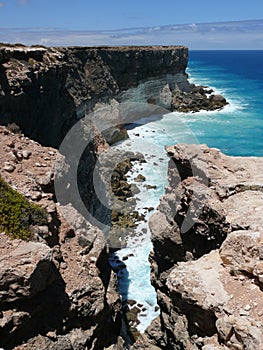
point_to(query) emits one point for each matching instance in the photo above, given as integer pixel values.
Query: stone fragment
(36, 196)
(19, 155)
(26, 154)
(9, 167)
(46, 179)
(258, 271)
(10, 143)
(139, 178)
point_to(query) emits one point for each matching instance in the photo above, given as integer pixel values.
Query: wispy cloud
(221, 35)
(2, 4)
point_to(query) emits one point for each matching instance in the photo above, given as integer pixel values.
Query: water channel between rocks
(149, 137)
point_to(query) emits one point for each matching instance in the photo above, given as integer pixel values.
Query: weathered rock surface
(29, 271)
(207, 258)
(57, 291)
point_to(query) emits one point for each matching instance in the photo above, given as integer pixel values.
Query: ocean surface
(235, 130)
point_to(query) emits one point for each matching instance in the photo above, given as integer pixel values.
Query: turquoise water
(238, 130)
(235, 130)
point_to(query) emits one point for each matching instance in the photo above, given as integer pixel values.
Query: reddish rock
(207, 261)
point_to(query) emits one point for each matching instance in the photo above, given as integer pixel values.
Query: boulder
(217, 100)
(26, 269)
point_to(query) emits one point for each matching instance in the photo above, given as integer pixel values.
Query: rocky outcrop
(197, 98)
(207, 258)
(57, 291)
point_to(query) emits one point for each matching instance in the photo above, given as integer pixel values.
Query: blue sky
(118, 14)
(82, 22)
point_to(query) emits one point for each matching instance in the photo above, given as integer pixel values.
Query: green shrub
(17, 214)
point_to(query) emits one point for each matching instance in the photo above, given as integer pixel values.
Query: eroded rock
(29, 270)
(207, 258)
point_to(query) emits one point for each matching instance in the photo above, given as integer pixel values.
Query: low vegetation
(17, 214)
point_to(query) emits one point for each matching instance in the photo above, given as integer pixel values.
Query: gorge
(58, 290)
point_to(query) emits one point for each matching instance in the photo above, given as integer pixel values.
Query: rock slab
(206, 265)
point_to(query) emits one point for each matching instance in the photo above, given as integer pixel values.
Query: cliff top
(118, 48)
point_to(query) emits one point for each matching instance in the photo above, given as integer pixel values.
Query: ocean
(238, 75)
(236, 130)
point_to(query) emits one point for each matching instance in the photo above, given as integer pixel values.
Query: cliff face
(45, 91)
(57, 291)
(207, 258)
(132, 65)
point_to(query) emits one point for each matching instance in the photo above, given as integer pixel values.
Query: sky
(126, 22)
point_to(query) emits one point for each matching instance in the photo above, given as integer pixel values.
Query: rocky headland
(206, 265)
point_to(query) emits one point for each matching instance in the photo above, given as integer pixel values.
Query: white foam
(235, 104)
(139, 246)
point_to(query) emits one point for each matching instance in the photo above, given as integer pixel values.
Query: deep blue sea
(238, 75)
(235, 130)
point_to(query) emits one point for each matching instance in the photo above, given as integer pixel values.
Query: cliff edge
(57, 290)
(206, 265)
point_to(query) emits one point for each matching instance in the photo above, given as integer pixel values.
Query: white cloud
(223, 35)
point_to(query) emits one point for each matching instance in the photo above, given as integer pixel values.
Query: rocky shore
(207, 258)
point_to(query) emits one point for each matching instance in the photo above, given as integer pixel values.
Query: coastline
(75, 243)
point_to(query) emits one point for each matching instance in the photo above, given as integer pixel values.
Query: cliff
(207, 258)
(64, 295)
(46, 90)
(57, 289)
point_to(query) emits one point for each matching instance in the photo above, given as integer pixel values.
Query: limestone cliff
(207, 258)
(64, 295)
(45, 91)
